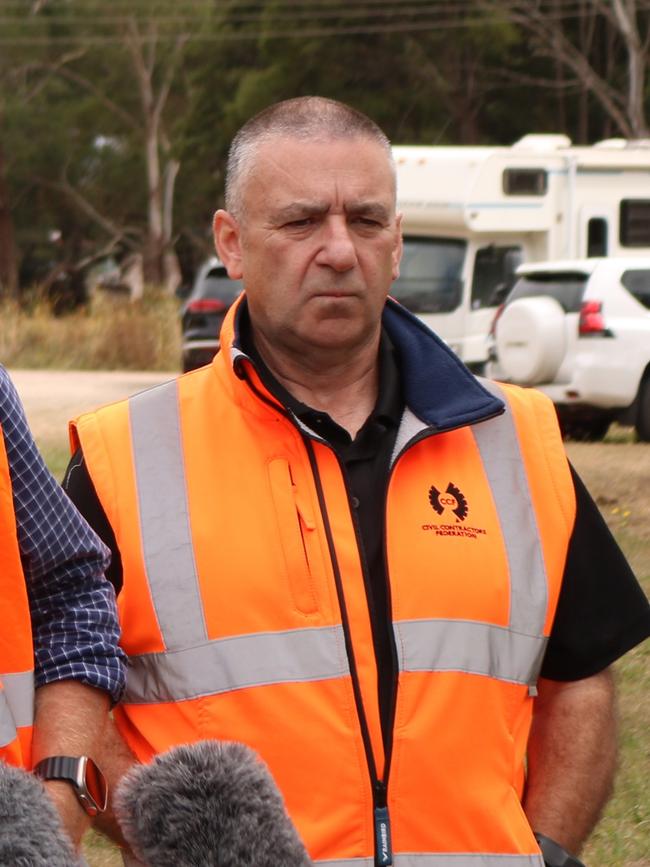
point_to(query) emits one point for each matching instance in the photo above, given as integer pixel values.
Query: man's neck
(345, 389)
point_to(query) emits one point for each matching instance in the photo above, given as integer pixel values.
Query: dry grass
(111, 334)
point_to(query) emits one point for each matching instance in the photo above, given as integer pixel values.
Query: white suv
(579, 331)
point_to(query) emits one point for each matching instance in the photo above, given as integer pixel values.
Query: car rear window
(217, 284)
(637, 283)
(566, 287)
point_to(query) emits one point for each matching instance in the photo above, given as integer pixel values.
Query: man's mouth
(335, 293)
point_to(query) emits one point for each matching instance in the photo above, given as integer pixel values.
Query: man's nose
(337, 250)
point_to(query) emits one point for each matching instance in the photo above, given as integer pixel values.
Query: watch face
(96, 785)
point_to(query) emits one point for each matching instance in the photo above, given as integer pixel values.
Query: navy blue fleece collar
(436, 385)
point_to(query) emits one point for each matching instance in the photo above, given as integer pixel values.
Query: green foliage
(72, 121)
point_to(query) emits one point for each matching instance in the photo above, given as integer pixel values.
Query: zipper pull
(383, 843)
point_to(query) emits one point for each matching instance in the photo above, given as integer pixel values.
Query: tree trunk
(154, 265)
(160, 265)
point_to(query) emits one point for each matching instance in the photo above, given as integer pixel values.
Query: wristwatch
(87, 780)
(554, 855)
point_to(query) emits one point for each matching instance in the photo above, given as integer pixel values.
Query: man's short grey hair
(312, 118)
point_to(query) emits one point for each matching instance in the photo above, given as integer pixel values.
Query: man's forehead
(345, 153)
(303, 171)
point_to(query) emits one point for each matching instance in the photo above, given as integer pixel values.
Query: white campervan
(473, 214)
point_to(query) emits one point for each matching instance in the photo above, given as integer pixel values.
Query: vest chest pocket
(296, 532)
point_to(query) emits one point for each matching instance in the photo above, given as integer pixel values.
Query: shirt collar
(388, 408)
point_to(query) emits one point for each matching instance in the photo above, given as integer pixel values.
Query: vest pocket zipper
(294, 523)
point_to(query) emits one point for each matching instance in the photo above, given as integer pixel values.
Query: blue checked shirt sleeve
(74, 615)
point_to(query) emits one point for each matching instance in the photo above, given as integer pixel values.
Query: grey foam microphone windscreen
(31, 834)
(213, 804)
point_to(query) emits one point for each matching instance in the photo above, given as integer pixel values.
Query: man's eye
(299, 224)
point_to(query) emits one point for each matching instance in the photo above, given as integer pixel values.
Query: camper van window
(597, 237)
(634, 223)
(430, 278)
(525, 182)
(494, 274)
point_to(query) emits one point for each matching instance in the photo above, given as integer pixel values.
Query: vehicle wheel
(642, 424)
(531, 340)
(586, 431)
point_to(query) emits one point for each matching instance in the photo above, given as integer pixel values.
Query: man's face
(318, 244)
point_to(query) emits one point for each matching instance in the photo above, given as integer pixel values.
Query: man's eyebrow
(376, 210)
(299, 210)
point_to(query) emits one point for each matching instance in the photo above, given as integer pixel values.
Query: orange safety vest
(245, 617)
(16, 653)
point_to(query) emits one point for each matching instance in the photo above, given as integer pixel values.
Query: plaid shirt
(74, 616)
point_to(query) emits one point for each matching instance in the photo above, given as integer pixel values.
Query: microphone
(211, 803)
(31, 834)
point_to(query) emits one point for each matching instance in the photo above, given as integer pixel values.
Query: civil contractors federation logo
(452, 506)
(452, 500)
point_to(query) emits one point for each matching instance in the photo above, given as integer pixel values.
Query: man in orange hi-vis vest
(338, 546)
(59, 658)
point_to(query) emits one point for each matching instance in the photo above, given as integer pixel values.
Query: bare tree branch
(625, 17)
(51, 69)
(120, 233)
(143, 74)
(171, 172)
(549, 38)
(90, 87)
(170, 71)
(36, 7)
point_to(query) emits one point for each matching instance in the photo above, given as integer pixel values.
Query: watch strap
(554, 855)
(85, 777)
(58, 768)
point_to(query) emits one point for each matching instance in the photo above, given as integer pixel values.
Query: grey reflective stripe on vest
(164, 515)
(468, 646)
(7, 724)
(449, 859)
(227, 664)
(499, 447)
(16, 704)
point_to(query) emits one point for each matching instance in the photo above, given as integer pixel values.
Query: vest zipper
(381, 819)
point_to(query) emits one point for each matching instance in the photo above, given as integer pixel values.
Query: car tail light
(206, 305)
(591, 318)
(493, 327)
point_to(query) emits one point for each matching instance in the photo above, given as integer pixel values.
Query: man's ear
(399, 246)
(227, 242)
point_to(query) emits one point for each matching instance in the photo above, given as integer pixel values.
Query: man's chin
(337, 333)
